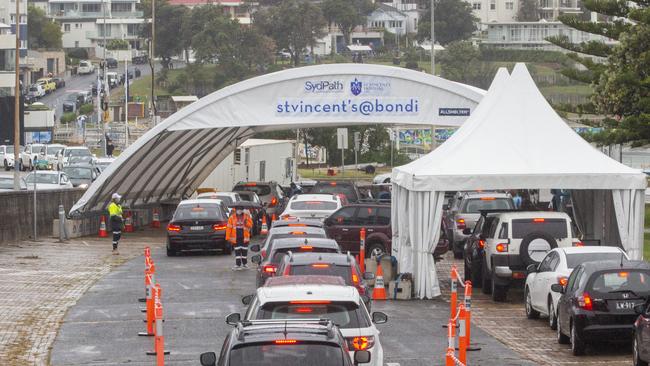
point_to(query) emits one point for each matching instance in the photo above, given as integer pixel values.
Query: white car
(227, 197)
(7, 156)
(73, 155)
(103, 163)
(311, 206)
(556, 268)
(381, 178)
(291, 298)
(50, 153)
(85, 67)
(7, 184)
(48, 180)
(29, 155)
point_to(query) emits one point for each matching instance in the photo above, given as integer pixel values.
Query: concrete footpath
(199, 291)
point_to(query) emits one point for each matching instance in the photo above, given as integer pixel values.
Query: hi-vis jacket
(243, 221)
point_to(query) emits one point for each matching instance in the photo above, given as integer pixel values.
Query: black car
(111, 63)
(284, 342)
(474, 248)
(198, 224)
(642, 335)
(60, 83)
(268, 265)
(347, 189)
(598, 302)
(72, 102)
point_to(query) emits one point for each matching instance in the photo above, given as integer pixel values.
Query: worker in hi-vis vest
(115, 219)
(238, 233)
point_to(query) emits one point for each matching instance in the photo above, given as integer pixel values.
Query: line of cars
(588, 293)
(43, 87)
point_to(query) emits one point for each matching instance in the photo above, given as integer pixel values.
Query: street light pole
(17, 102)
(151, 59)
(433, 42)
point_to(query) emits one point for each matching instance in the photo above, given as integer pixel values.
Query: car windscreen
(343, 314)
(313, 206)
(33, 89)
(623, 280)
(43, 178)
(289, 354)
(202, 211)
(260, 189)
(346, 189)
(78, 152)
(78, 172)
(9, 150)
(71, 98)
(323, 269)
(573, 260)
(557, 228)
(475, 205)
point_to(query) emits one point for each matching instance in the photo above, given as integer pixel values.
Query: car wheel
(6, 166)
(475, 276)
(636, 355)
(531, 313)
(375, 250)
(499, 292)
(577, 345)
(171, 252)
(486, 283)
(552, 315)
(31, 165)
(561, 338)
(20, 165)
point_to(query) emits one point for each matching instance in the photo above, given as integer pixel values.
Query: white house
(389, 18)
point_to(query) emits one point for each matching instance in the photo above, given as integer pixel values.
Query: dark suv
(474, 249)
(285, 342)
(341, 188)
(345, 225)
(270, 193)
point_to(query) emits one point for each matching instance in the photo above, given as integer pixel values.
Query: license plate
(625, 305)
(196, 227)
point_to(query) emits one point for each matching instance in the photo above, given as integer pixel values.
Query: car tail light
(481, 243)
(173, 228)
(269, 269)
(297, 233)
(250, 185)
(502, 247)
(304, 310)
(586, 302)
(287, 270)
(539, 220)
(361, 343)
(518, 275)
(288, 217)
(623, 274)
(310, 302)
(274, 201)
(460, 223)
(487, 198)
(333, 184)
(286, 341)
(320, 265)
(219, 226)
(578, 244)
(306, 247)
(562, 280)
(355, 276)
(296, 225)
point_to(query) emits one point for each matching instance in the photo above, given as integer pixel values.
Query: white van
(85, 67)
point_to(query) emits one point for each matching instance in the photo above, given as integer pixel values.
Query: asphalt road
(199, 291)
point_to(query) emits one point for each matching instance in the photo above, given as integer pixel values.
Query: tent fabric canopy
(513, 140)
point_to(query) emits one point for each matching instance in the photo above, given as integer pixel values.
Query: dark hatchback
(197, 225)
(347, 189)
(598, 302)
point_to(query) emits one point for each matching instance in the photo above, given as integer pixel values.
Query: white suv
(517, 239)
(316, 297)
(29, 155)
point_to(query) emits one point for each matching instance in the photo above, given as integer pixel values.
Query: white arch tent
(513, 140)
(173, 158)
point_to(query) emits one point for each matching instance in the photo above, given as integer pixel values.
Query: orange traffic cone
(379, 292)
(102, 227)
(265, 228)
(155, 223)
(273, 218)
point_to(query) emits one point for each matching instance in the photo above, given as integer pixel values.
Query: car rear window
(296, 354)
(277, 256)
(293, 234)
(475, 205)
(573, 260)
(556, 228)
(260, 189)
(199, 212)
(623, 280)
(313, 205)
(323, 269)
(345, 189)
(343, 314)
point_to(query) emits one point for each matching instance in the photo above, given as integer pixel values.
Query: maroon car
(345, 225)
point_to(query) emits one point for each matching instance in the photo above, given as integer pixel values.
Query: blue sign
(355, 87)
(453, 112)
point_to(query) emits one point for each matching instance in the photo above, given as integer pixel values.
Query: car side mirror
(254, 248)
(233, 319)
(368, 276)
(208, 359)
(467, 231)
(246, 300)
(361, 357)
(257, 259)
(532, 268)
(379, 318)
(556, 287)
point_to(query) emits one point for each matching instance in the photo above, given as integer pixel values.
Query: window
(344, 216)
(572, 279)
(476, 6)
(100, 30)
(510, 5)
(121, 7)
(557, 228)
(262, 170)
(133, 29)
(493, 4)
(503, 233)
(515, 33)
(366, 216)
(66, 27)
(91, 8)
(76, 25)
(545, 265)
(237, 157)
(76, 44)
(493, 228)
(383, 216)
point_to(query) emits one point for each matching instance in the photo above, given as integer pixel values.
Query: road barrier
(151, 292)
(155, 222)
(265, 228)
(148, 262)
(102, 227)
(460, 317)
(362, 250)
(159, 338)
(273, 218)
(379, 291)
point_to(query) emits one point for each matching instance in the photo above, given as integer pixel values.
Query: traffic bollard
(151, 294)
(468, 316)
(454, 293)
(462, 335)
(362, 250)
(449, 359)
(148, 266)
(159, 339)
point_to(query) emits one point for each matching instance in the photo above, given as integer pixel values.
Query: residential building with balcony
(8, 17)
(499, 11)
(7, 60)
(397, 17)
(236, 9)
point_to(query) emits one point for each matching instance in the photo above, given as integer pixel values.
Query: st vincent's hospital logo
(356, 87)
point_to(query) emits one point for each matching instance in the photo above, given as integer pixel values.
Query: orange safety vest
(244, 222)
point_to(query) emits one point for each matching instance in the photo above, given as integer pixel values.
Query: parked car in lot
(228, 198)
(82, 176)
(270, 193)
(72, 102)
(73, 154)
(85, 67)
(311, 206)
(641, 350)
(517, 239)
(7, 184)
(35, 92)
(598, 303)
(198, 225)
(284, 342)
(294, 297)
(111, 63)
(347, 189)
(268, 266)
(29, 155)
(7, 156)
(103, 163)
(48, 180)
(465, 211)
(48, 84)
(556, 268)
(50, 151)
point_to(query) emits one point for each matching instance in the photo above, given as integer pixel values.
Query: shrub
(118, 44)
(87, 109)
(68, 117)
(78, 53)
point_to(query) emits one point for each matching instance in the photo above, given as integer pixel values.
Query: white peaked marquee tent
(513, 140)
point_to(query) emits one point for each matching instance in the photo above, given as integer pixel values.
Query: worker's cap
(116, 196)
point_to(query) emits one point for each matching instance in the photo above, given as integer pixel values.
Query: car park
(198, 225)
(268, 265)
(343, 188)
(311, 206)
(517, 239)
(295, 297)
(82, 176)
(227, 197)
(48, 84)
(85, 67)
(7, 156)
(285, 342)
(73, 154)
(641, 346)
(7, 184)
(465, 211)
(270, 193)
(48, 180)
(598, 303)
(29, 155)
(556, 268)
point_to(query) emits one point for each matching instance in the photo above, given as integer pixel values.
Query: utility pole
(17, 93)
(151, 57)
(126, 101)
(102, 93)
(433, 42)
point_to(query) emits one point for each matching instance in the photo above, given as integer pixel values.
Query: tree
(43, 33)
(461, 62)
(454, 21)
(169, 21)
(347, 14)
(294, 25)
(528, 11)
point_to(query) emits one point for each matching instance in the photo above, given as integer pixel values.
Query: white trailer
(256, 160)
